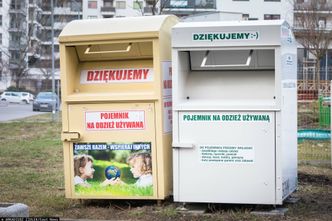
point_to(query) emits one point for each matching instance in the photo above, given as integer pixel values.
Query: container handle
(70, 136)
(87, 51)
(183, 145)
(204, 65)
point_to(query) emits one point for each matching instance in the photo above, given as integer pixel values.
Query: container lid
(232, 34)
(114, 28)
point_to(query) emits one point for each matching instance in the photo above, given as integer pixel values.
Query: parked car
(14, 97)
(44, 102)
(28, 96)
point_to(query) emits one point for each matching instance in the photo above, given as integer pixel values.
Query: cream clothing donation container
(116, 99)
(234, 112)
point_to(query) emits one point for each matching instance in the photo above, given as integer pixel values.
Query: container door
(226, 157)
(120, 138)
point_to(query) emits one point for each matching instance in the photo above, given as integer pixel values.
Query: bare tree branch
(311, 31)
(19, 43)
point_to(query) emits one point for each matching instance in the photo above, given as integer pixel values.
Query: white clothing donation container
(234, 112)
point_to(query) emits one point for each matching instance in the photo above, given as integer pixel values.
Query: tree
(155, 4)
(4, 73)
(47, 74)
(311, 31)
(19, 41)
(44, 63)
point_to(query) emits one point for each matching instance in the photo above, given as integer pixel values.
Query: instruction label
(128, 75)
(115, 120)
(227, 117)
(227, 154)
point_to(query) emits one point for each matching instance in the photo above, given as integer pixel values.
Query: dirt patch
(314, 179)
(31, 172)
(314, 194)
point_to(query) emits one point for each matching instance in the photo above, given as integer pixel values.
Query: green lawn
(31, 172)
(31, 163)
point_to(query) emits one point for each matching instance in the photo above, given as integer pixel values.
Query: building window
(0, 3)
(138, 5)
(108, 3)
(271, 17)
(240, 0)
(0, 41)
(121, 4)
(299, 1)
(0, 20)
(14, 55)
(271, 0)
(92, 4)
(0, 75)
(322, 22)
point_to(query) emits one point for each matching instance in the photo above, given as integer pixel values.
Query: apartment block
(260, 9)
(26, 27)
(319, 32)
(26, 40)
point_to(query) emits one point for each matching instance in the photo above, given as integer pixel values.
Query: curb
(14, 210)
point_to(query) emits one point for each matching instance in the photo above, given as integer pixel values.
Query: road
(10, 111)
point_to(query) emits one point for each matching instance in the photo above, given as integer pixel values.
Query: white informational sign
(227, 154)
(121, 75)
(289, 66)
(167, 95)
(115, 120)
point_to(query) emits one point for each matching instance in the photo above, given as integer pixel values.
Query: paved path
(10, 111)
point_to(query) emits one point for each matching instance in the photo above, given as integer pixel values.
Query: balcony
(312, 7)
(302, 27)
(107, 10)
(46, 6)
(13, 46)
(33, 55)
(16, 29)
(65, 11)
(35, 38)
(18, 11)
(49, 57)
